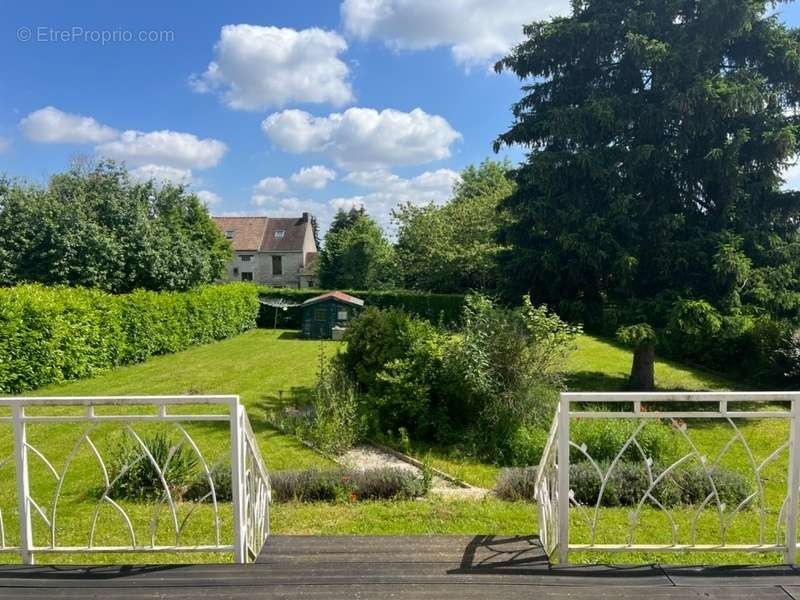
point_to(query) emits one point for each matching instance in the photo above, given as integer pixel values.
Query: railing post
(237, 482)
(790, 554)
(562, 435)
(23, 486)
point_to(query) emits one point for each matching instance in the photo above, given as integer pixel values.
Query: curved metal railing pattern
(775, 511)
(249, 476)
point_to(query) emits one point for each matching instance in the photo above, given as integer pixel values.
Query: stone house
(279, 252)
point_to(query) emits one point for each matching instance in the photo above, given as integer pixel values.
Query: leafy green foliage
(502, 370)
(452, 248)
(637, 335)
(51, 334)
(356, 254)
(512, 363)
(134, 470)
(95, 228)
(334, 425)
(658, 132)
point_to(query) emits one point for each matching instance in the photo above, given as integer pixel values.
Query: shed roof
(341, 296)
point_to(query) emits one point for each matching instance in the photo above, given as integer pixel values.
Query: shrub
(308, 485)
(314, 485)
(516, 484)
(387, 484)
(526, 445)
(628, 483)
(200, 490)
(135, 477)
(506, 369)
(52, 334)
(333, 425)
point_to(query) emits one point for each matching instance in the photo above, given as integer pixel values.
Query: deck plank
(440, 567)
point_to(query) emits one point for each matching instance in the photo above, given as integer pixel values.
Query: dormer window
(279, 233)
(229, 234)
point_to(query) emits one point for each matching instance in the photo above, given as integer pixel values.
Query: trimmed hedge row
(52, 334)
(437, 308)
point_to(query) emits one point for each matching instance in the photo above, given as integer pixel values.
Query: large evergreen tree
(657, 132)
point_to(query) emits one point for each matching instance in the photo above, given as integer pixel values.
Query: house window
(246, 257)
(247, 276)
(235, 270)
(279, 233)
(342, 315)
(229, 234)
(320, 314)
(277, 265)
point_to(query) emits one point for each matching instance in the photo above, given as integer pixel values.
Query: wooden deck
(439, 567)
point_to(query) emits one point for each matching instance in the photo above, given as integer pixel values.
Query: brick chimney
(304, 218)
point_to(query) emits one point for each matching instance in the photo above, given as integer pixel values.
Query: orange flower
(353, 497)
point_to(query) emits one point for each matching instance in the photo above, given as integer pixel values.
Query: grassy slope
(257, 365)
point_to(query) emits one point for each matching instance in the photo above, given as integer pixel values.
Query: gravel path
(366, 456)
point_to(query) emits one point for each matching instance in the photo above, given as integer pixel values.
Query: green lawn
(258, 366)
(263, 365)
(601, 365)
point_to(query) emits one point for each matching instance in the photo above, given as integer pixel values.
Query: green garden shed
(326, 316)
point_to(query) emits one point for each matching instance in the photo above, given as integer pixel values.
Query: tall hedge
(52, 334)
(437, 308)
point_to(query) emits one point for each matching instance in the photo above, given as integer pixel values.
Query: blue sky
(264, 107)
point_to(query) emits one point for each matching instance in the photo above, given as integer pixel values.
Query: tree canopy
(356, 255)
(453, 247)
(657, 132)
(96, 228)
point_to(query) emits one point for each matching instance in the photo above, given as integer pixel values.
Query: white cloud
(49, 125)
(267, 191)
(286, 207)
(363, 138)
(258, 67)
(346, 204)
(390, 190)
(161, 174)
(5, 144)
(271, 186)
(208, 198)
(476, 31)
(315, 177)
(165, 147)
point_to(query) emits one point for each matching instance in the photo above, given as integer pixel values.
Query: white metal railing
(250, 485)
(772, 505)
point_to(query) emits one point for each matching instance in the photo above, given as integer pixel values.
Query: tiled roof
(293, 236)
(346, 298)
(248, 232)
(258, 233)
